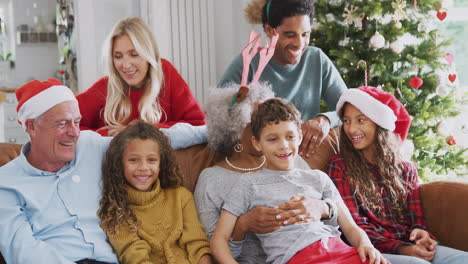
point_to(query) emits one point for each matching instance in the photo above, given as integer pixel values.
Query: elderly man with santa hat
(50, 193)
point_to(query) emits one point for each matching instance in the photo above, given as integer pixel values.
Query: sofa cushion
(8, 152)
(445, 208)
(193, 160)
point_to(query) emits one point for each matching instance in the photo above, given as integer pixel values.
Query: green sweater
(170, 231)
(303, 84)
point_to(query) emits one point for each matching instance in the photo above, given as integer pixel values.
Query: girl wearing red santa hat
(379, 188)
(139, 85)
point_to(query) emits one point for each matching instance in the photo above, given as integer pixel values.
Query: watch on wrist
(330, 209)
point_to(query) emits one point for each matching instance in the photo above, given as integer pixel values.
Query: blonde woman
(139, 85)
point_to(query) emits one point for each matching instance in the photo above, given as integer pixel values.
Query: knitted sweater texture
(170, 231)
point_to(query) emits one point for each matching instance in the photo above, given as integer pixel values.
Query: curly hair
(118, 106)
(225, 124)
(389, 166)
(114, 205)
(274, 110)
(259, 12)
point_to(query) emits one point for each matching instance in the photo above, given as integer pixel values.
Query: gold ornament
(399, 13)
(351, 17)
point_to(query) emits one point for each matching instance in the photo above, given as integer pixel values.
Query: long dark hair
(114, 206)
(389, 166)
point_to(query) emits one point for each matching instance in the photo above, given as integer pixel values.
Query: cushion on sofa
(446, 210)
(8, 152)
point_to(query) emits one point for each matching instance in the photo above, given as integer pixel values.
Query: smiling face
(294, 37)
(279, 143)
(54, 136)
(132, 67)
(360, 130)
(141, 160)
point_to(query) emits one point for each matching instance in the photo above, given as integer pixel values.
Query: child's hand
(422, 238)
(417, 251)
(304, 209)
(368, 251)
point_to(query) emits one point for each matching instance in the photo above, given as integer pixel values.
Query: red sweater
(175, 98)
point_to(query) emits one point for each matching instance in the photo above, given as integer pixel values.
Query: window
(456, 28)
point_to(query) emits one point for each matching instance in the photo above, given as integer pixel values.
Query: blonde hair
(118, 106)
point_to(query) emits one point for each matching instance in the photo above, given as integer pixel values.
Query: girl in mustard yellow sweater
(147, 215)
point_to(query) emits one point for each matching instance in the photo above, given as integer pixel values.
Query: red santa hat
(380, 107)
(36, 97)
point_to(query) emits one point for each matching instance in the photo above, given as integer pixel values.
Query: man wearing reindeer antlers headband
(299, 73)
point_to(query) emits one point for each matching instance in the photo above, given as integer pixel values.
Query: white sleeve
(183, 135)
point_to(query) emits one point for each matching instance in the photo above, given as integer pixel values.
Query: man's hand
(304, 209)
(417, 251)
(314, 131)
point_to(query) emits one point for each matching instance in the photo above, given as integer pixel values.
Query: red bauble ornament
(441, 15)
(416, 82)
(452, 77)
(451, 141)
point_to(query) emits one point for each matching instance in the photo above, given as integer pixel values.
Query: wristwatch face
(330, 211)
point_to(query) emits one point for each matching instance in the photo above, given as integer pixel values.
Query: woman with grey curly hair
(229, 133)
(228, 113)
(227, 122)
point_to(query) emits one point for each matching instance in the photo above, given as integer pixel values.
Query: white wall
(229, 28)
(5, 16)
(232, 31)
(94, 20)
(176, 27)
(34, 60)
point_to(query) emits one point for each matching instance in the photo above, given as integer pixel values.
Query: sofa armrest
(445, 207)
(8, 152)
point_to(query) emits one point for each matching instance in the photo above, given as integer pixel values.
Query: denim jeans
(444, 255)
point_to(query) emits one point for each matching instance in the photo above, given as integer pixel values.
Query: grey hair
(225, 125)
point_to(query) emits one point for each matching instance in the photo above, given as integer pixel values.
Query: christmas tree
(402, 52)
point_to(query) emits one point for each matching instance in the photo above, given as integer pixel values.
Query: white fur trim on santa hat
(43, 101)
(375, 110)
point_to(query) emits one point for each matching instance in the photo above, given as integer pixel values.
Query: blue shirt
(303, 84)
(51, 217)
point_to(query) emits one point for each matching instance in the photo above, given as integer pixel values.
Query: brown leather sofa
(444, 203)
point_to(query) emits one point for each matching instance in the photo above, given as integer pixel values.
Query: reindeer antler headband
(249, 51)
